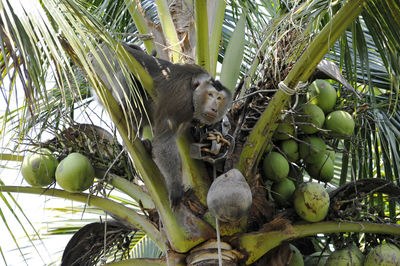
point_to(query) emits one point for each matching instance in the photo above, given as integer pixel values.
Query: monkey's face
(210, 104)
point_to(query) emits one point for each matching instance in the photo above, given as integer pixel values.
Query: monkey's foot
(147, 145)
(175, 196)
(217, 136)
(217, 143)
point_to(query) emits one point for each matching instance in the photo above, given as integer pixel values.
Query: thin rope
(104, 259)
(217, 226)
(167, 257)
(165, 246)
(289, 91)
(218, 242)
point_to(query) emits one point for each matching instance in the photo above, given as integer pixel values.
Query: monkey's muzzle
(210, 115)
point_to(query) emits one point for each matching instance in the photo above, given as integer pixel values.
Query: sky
(50, 249)
(37, 209)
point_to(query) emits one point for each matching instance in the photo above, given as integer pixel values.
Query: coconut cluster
(318, 115)
(74, 173)
(383, 254)
(300, 143)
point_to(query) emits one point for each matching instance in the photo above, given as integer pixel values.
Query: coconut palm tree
(265, 52)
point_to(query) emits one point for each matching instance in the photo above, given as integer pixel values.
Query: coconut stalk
(131, 189)
(260, 138)
(169, 30)
(215, 21)
(202, 36)
(11, 157)
(137, 13)
(194, 171)
(257, 244)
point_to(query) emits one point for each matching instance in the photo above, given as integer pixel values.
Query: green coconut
(38, 167)
(311, 201)
(311, 149)
(75, 173)
(321, 170)
(275, 166)
(350, 256)
(282, 192)
(312, 118)
(321, 93)
(383, 255)
(296, 258)
(340, 123)
(291, 149)
(283, 131)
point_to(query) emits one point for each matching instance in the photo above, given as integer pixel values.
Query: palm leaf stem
(137, 13)
(216, 31)
(169, 30)
(202, 35)
(136, 220)
(257, 244)
(133, 190)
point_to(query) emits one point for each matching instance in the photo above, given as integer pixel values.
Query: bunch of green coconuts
(385, 254)
(298, 140)
(301, 141)
(74, 173)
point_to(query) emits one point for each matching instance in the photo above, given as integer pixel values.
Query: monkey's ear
(200, 79)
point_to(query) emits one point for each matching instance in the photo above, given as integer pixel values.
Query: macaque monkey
(184, 92)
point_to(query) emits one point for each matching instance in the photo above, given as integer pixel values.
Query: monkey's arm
(167, 157)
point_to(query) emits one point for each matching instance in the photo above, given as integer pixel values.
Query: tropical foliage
(49, 85)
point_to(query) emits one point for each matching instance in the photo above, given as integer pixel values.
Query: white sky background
(35, 207)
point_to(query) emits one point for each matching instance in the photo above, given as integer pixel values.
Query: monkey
(184, 93)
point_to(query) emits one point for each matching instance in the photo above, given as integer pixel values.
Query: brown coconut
(229, 197)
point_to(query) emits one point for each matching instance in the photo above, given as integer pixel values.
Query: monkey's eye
(210, 94)
(219, 98)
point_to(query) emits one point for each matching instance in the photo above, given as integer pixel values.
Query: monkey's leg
(166, 155)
